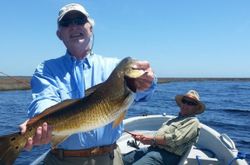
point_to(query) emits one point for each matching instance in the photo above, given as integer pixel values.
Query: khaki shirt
(180, 134)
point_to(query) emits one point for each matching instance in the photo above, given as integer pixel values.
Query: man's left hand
(145, 81)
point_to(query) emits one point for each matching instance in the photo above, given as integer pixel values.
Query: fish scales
(104, 103)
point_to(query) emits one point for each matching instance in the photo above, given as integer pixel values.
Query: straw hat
(192, 94)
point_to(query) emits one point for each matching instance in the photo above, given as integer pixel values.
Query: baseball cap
(74, 7)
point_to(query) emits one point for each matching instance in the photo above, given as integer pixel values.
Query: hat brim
(90, 20)
(200, 107)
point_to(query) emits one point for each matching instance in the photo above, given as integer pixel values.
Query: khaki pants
(114, 158)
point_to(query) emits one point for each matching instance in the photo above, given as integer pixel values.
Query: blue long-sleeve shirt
(56, 80)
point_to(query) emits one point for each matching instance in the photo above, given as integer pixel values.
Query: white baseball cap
(74, 7)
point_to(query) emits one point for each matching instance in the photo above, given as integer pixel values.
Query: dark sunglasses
(75, 21)
(188, 102)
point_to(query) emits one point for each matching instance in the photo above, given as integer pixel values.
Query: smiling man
(67, 77)
(75, 29)
(174, 138)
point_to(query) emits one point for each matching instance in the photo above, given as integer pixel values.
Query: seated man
(174, 138)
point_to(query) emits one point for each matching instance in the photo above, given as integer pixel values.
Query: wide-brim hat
(192, 94)
(74, 7)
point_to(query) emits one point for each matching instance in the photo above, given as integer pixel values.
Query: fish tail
(10, 147)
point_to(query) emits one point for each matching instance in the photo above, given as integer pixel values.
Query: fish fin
(91, 90)
(119, 119)
(52, 109)
(56, 139)
(10, 148)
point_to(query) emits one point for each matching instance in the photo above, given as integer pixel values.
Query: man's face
(75, 31)
(188, 106)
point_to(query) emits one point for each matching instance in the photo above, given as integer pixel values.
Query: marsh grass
(14, 83)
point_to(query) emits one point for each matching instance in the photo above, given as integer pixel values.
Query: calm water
(228, 110)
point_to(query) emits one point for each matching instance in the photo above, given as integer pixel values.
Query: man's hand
(43, 135)
(145, 81)
(143, 139)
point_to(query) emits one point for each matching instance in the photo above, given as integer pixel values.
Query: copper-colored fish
(103, 103)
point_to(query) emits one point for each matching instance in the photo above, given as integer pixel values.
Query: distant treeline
(23, 82)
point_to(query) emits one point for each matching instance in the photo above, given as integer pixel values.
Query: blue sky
(180, 38)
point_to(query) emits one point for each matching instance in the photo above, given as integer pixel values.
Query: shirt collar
(86, 61)
(180, 116)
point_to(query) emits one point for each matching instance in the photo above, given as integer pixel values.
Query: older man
(67, 77)
(174, 138)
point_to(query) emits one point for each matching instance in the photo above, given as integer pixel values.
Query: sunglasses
(75, 21)
(188, 102)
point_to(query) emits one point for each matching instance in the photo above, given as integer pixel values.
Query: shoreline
(8, 83)
(188, 79)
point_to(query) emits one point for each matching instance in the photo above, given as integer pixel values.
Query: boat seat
(185, 156)
(198, 156)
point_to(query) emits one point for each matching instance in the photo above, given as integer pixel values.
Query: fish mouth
(130, 79)
(134, 73)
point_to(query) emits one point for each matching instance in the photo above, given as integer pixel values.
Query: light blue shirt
(57, 79)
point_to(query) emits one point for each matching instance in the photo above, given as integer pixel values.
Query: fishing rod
(133, 134)
(17, 80)
(132, 143)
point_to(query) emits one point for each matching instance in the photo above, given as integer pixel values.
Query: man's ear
(58, 33)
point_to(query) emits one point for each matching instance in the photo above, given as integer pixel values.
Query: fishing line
(92, 45)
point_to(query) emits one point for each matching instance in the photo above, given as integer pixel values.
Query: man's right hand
(43, 135)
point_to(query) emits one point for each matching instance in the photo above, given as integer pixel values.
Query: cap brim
(90, 20)
(69, 11)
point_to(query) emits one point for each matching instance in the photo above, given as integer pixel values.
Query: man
(67, 77)
(174, 138)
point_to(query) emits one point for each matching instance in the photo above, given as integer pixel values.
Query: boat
(212, 147)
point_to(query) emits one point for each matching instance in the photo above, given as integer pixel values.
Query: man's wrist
(153, 141)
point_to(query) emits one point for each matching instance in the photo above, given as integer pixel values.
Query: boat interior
(211, 148)
(195, 155)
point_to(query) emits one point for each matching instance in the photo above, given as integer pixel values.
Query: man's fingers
(49, 134)
(23, 126)
(38, 136)
(28, 146)
(143, 83)
(44, 133)
(142, 65)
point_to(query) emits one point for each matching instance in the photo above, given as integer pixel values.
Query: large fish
(103, 103)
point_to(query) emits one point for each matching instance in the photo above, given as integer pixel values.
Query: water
(227, 102)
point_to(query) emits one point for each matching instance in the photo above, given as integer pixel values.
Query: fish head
(129, 72)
